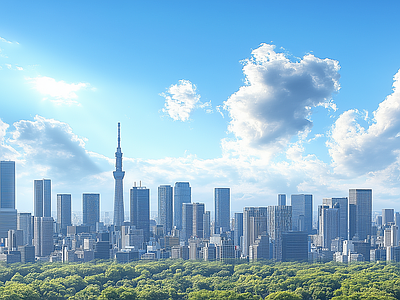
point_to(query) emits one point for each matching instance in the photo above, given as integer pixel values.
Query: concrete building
(360, 213)
(43, 236)
(182, 194)
(140, 210)
(91, 210)
(279, 221)
(63, 212)
(165, 212)
(238, 229)
(222, 205)
(7, 184)
(252, 215)
(24, 223)
(302, 212)
(42, 197)
(342, 205)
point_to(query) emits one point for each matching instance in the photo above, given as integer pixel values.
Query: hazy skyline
(261, 97)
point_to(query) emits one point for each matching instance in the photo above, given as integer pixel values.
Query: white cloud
(6, 151)
(8, 66)
(51, 147)
(181, 99)
(276, 102)
(58, 92)
(4, 40)
(357, 150)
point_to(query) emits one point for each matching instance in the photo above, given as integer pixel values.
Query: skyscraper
(281, 199)
(63, 211)
(42, 198)
(187, 221)
(182, 194)
(7, 184)
(140, 210)
(342, 205)
(8, 213)
(198, 224)
(302, 212)
(387, 216)
(165, 207)
(119, 186)
(329, 225)
(279, 222)
(24, 223)
(360, 213)
(222, 201)
(238, 229)
(254, 220)
(91, 209)
(43, 236)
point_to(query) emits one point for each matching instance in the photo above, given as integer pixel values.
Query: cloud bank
(276, 102)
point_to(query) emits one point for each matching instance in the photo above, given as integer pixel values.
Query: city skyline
(210, 103)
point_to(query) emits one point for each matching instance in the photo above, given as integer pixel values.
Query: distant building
(328, 225)
(222, 202)
(302, 212)
(43, 236)
(187, 221)
(140, 210)
(24, 223)
(238, 229)
(360, 213)
(342, 205)
(165, 213)
(388, 216)
(182, 194)
(294, 246)
(63, 212)
(254, 218)
(279, 222)
(281, 199)
(42, 198)
(91, 210)
(7, 184)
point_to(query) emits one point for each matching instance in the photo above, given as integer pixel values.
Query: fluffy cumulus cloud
(52, 149)
(276, 102)
(357, 149)
(181, 99)
(58, 92)
(6, 151)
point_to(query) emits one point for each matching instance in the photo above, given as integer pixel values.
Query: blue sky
(265, 97)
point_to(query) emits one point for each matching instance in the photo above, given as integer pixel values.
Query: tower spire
(119, 177)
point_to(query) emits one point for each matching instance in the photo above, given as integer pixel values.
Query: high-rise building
(206, 224)
(254, 224)
(388, 216)
(42, 198)
(238, 229)
(140, 210)
(43, 236)
(281, 199)
(7, 184)
(24, 223)
(342, 204)
(294, 246)
(302, 212)
(8, 213)
(222, 201)
(91, 209)
(165, 207)
(279, 221)
(119, 185)
(198, 224)
(182, 194)
(187, 221)
(329, 225)
(360, 213)
(63, 211)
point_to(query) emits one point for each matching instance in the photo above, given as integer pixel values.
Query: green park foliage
(198, 280)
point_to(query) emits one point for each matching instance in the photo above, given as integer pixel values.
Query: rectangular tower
(24, 223)
(63, 211)
(302, 212)
(222, 201)
(279, 222)
(250, 216)
(182, 194)
(42, 198)
(140, 210)
(7, 184)
(360, 213)
(165, 212)
(91, 210)
(342, 204)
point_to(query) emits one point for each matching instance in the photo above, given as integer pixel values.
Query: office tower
(254, 218)
(279, 221)
(27, 253)
(43, 236)
(182, 194)
(238, 229)
(342, 205)
(140, 210)
(119, 186)
(328, 225)
(187, 221)
(63, 211)
(15, 239)
(260, 248)
(388, 216)
(165, 207)
(302, 212)
(91, 209)
(295, 246)
(24, 223)
(281, 199)
(42, 198)
(7, 184)
(360, 213)
(8, 213)
(207, 225)
(222, 201)
(198, 225)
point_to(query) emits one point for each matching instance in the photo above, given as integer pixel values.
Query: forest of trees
(198, 280)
